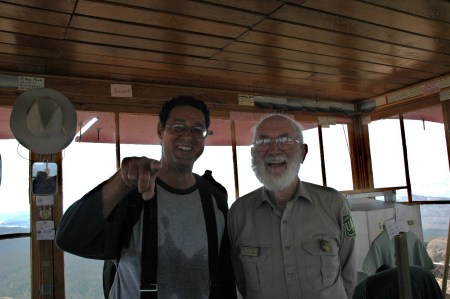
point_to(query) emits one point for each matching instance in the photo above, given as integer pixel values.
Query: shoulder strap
(149, 261)
(211, 231)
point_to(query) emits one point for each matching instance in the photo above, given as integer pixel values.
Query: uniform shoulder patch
(349, 227)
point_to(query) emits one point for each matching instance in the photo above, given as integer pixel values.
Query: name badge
(250, 251)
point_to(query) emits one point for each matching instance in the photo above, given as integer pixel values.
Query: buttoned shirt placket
(288, 249)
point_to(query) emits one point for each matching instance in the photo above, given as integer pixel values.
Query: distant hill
(83, 276)
(19, 220)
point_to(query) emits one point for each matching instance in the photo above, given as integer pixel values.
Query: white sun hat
(43, 120)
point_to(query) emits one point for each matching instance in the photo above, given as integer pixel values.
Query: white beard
(276, 182)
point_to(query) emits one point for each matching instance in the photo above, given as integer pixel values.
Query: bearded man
(290, 239)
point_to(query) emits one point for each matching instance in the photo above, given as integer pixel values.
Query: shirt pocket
(258, 270)
(322, 265)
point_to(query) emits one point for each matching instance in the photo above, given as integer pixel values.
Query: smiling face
(179, 152)
(277, 168)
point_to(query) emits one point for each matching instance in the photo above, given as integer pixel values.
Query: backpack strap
(149, 262)
(211, 232)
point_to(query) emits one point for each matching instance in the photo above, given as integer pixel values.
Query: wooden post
(402, 262)
(447, 253)
(235, 167)
(47, 260)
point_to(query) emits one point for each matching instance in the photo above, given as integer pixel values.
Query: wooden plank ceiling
(319, 49)
(323, 50)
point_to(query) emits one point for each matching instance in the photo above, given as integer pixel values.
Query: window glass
(87, 163)
(247, 179)
(243, 125)
(427, 154)
(311, 170)
(15, 276)
(14, 196)
(435, 221)
(218, 159)
(337, 157)
(15, 270)
(387, 155)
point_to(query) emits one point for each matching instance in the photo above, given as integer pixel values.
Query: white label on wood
(246, 100)
(121, 91)
(26, 83)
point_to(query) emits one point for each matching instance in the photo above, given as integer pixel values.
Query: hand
(140, 172)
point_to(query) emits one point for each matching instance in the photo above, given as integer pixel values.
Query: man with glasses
(289, 238)
(163, 225)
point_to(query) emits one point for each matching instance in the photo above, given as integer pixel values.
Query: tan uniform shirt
(305, 252)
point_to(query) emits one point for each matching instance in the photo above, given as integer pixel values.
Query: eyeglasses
(283, 143)
(181, 129)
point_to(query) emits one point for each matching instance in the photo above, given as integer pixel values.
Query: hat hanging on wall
(43, 120)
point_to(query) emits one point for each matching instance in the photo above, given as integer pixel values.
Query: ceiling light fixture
(86, 127)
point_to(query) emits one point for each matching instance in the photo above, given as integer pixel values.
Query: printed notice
(394, 227)
(246, 100)
(45, 230)
(121, 91)
(45, 200)
(26, 83)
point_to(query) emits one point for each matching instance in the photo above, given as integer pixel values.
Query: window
(427, 159)
(427, 154)
(247, 179)
(14, 197)
(85, 165)
(337, 157)
(15, 270)
(311, 169)
(387, 155)
(218, 159)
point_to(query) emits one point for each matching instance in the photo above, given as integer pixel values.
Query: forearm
(84, 231)
(113, 191)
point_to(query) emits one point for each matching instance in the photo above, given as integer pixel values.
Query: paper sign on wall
(26, 83)
(45, 230)
(121, 91)
(45, 200)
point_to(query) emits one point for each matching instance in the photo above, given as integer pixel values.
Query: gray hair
(294, 124)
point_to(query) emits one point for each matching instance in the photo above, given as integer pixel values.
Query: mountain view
(83, 276)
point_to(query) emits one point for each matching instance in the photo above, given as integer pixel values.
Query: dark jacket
(83, 231)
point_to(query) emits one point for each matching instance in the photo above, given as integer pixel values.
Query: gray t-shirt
(182, 248)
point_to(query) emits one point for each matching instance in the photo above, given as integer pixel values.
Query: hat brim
(40, 145)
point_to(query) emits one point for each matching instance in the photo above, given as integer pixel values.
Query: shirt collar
(301, 193)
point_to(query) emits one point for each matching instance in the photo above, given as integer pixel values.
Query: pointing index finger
(154, 167)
